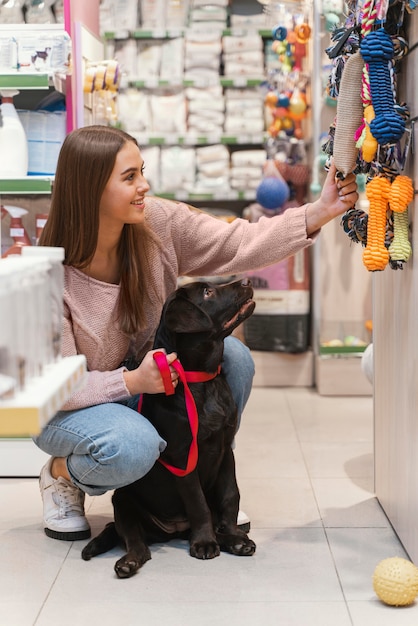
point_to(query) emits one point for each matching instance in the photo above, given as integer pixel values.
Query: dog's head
(202, 312)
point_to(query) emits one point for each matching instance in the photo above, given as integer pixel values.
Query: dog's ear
(182, 316)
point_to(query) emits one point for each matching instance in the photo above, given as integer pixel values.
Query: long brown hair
(85, 163)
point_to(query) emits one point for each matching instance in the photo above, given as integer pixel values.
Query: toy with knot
(377, 51)
(349, 116)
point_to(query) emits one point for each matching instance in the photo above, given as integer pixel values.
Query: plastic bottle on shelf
(17, 230)
(13, 141)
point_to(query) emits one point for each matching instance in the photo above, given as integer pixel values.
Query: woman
(123, 255)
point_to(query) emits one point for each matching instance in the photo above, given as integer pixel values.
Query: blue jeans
(111, 445)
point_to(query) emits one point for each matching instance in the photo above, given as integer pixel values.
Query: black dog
(202, 503)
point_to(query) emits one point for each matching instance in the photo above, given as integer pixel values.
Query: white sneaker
(63, 507)
(243, 521)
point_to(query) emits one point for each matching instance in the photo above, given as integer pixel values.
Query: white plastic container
(13, 142)
(55, 308)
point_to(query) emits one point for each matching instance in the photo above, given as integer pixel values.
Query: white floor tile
(305, 472)
(357, 552)
(344, 503)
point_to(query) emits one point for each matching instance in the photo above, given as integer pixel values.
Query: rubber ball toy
(395, 581)
(272, 192)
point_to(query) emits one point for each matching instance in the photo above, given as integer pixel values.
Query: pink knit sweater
(193, 244)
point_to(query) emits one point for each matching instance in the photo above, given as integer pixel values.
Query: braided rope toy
(349, 116)
(377, 51)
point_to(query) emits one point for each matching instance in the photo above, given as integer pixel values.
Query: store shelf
(22, 81)
(30, 185)
(183, 196)
(150, 139)
(225, 81)
(30, 410)
(342, 350)
(172, 33)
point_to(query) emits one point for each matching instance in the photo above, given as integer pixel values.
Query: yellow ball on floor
(395, 581)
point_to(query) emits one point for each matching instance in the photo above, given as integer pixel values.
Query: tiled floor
(305, 469)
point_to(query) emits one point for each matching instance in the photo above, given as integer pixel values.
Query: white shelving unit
(29, 411)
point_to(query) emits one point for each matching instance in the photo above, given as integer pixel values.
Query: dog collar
(185, 377)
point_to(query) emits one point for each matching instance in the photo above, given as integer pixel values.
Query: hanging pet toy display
(368, 130)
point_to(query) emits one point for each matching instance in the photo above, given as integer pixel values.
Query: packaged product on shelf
(247, 168)
(39, 13)
(44, 49)
(13, 141)
(152, 14)
(202, 56)
(8, 53)
(118, 15)
(207, 16)
(243, 177)
(251, 158)
(149, 60)
(45, 132)
(205, 110)
(245, 125)
(244, 110)
(54, 303)
(176, 13)
(212, 169)
(12, 12)
(151, 156)
(244, 62)
(235, 43)
(9, 370)
(255, 19)
(178, 164)
(126, 53)
(168, 112)
(172, 59)
(134, 110)
(28, 342)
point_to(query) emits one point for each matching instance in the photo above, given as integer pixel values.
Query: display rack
(29, 410)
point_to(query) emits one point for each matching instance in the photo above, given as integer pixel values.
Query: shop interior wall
(395, 306)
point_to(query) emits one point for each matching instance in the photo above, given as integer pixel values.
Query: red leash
(185, 377)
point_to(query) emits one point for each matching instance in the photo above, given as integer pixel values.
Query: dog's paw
(204, 549)
(129, 564)
(240, 545)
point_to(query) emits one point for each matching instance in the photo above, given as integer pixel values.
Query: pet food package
(281, 320)
(151, 156)
(178, 165)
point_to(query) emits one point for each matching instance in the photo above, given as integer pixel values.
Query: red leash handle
(161, 360)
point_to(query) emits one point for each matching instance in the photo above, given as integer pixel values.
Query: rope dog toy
(377, 51)
(349, 116)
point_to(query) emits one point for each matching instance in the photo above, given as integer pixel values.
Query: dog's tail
(104, 542)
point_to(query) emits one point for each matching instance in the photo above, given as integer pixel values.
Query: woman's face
(122, 201)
